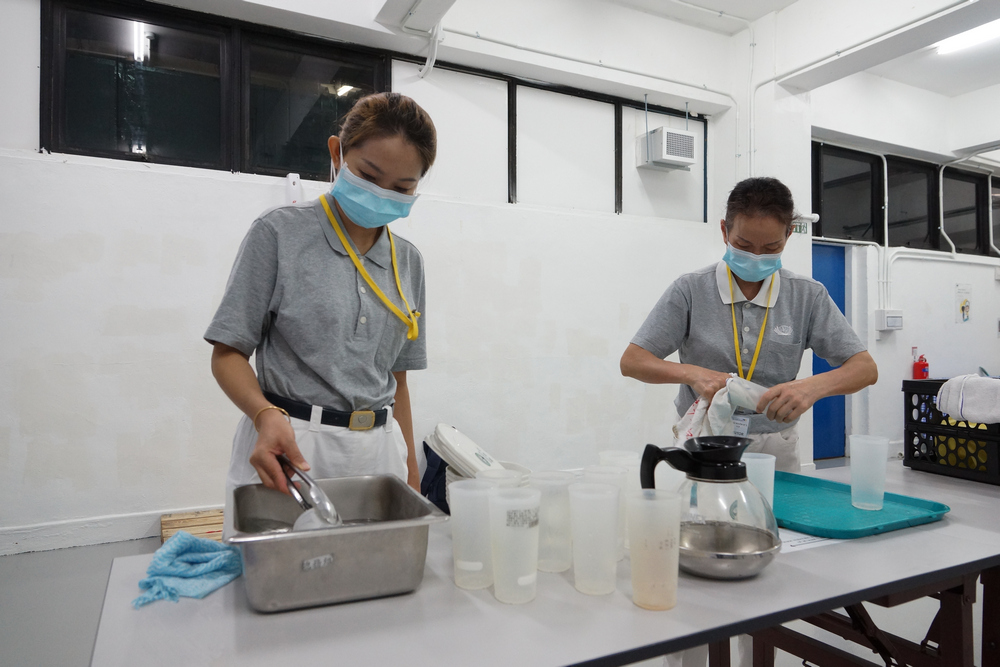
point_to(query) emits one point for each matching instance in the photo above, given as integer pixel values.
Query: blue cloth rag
(188, 566)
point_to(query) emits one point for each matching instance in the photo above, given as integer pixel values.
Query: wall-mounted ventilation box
(888, 320)
(665, 148)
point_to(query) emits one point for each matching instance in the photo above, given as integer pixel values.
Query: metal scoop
(319, 511)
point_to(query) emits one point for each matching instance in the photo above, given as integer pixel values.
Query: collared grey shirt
(321, 335)
(694, 317)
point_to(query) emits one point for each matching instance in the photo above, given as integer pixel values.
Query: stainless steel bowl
(380, 549)
(722, 550)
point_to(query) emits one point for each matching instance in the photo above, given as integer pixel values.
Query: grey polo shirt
(321, 335)
(694, 318)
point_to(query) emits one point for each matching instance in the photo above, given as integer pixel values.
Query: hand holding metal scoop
(319, 511)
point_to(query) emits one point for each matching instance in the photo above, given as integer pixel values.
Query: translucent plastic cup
(760, 472)
(655, 521)
(630, 461)
(618, 476)
(471, 543)
(555, 546)
(500, 477)
(869, 457)
(593, 510)
(514, 534)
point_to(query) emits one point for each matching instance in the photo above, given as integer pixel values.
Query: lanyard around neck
(410, 319)
(736, 338)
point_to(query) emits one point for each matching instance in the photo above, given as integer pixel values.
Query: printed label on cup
(522, 518)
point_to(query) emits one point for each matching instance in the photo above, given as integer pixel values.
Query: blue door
(829, 414)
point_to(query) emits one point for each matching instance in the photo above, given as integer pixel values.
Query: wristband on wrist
(270, 407)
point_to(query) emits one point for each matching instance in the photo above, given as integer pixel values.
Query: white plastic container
(502, 478)
(514, 535)
(618, 476)
(760, 472)
(594, 519)
(555, 545)
(622, 458)
(869, 457)
(472, 546)
(654, 518)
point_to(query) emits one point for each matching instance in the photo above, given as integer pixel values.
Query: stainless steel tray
(379, 550)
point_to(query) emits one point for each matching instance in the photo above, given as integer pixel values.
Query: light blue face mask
(366, 204)
(750, 267)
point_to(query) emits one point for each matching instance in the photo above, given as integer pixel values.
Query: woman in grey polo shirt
(329, 301)
(749, 316)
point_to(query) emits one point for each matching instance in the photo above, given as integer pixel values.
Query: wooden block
(204, 523)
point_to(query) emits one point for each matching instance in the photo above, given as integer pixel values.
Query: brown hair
(755, 197)
(388, 114)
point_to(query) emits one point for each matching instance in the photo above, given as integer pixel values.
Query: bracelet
(270, 407)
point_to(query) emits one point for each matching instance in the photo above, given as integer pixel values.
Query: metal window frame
(982, 200)
(933, 202)
(821, 150)
(234, 75)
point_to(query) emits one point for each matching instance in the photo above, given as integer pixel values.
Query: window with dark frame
(847, 187)
(913, 205)
(964, 210)
(995, 204)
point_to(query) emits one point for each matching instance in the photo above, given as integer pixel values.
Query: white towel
(717, 418)
(971, 398)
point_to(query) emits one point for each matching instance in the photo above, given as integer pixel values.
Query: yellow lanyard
(410, 319)
(736, 338)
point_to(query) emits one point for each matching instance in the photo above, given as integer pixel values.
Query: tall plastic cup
(514, 534)
(471, 544)
(630, 461)
(500, 477)
(869, 457)
(618, 476)
(654, 521)
(760, 472)
(555, 545)
(593, 510)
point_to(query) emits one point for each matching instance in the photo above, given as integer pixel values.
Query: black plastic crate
(934, 442)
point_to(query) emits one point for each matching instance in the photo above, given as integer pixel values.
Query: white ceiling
(748, 10)
(950, 74)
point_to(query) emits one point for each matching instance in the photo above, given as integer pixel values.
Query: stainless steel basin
(379, 550)
(722, 550)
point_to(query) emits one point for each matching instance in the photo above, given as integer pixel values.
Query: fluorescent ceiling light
(343, 90)
(983, 33)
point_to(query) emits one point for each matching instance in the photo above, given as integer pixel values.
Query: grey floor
(50, 602)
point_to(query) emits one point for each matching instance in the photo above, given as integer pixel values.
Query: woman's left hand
(784, 403)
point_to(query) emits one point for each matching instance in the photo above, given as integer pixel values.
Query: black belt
(359, 420)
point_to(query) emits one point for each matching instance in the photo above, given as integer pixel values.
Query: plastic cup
(514, 535)
(471, 543)
(500, 477)
(618, 476)
(593, 510)
(760, 472)
(655, 521)
(631, 462)
(869, 457)
(555, 546)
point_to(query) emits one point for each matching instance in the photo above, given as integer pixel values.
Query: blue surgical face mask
(750, 267)
(366, 204)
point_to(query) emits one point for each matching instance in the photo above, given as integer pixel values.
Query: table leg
(955, 643)
(718, 654)
(991, 617)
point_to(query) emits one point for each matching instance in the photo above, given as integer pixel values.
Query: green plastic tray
(823, 508)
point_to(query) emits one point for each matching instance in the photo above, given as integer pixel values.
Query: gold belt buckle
(362, 420)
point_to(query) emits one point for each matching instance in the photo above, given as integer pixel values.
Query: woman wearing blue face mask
(330, 301)
(748, 316)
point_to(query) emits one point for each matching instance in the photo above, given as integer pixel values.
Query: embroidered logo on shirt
(783, 330)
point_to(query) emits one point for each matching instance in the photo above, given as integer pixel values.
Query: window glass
(909, 205)
(296, 103)
(847, 196)
(959, 212)
(995, 203)
(143, 89)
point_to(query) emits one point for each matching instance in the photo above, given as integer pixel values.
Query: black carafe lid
(713, 458)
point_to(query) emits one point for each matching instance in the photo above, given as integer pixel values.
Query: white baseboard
(809, 466)
(83, 532)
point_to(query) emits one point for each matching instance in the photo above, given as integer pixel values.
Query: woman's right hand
(708, 382)
(275, 437)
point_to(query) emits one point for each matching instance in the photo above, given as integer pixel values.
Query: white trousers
(332, 451)
(784, 446)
